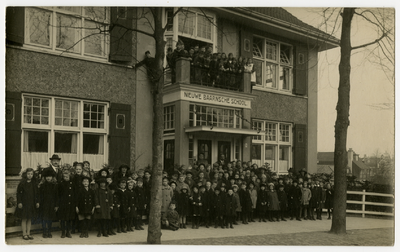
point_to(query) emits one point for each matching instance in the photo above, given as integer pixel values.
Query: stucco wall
(34, 72)
(312, 110)
(279, 107)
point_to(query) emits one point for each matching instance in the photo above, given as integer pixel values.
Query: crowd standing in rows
(212, 69)
(224, 195)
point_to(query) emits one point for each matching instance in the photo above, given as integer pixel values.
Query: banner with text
(215, 99)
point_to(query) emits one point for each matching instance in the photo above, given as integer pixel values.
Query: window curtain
(74, 143)
(26, 141)
(101, 145)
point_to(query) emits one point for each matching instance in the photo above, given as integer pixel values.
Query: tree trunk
(157, 82)
(341, 125)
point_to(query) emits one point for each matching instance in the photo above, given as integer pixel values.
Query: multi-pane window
(273, 146)
(195, 25)
(214, 116)
(93, 116)
(169, 117)
(36, 110)
(78, 30)
(273, 63)
(74, 129)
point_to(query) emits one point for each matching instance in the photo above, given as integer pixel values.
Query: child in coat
(282, 202)
(27, 202)
(141, 203)
(183, 206)
(230, 208)
(262, 203)
(171, 218)
(125, 204)
(48, 196)
(329, 199)
(197, 207)
(104, 205)
(219, 208)
(238, 206)
(253, 195)
(245, 202)
(67, 200)
(132, 213)
(273, 203)
(305, 200)
(114, 214)
(85, 206)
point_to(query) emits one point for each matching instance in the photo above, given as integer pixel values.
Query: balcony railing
(187, 74)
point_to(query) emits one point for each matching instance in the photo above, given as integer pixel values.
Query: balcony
(187, 74)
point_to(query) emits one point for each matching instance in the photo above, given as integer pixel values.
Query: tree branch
(368, 44)
(132, 29)
(175, 13)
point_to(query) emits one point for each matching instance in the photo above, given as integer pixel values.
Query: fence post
(363, 204)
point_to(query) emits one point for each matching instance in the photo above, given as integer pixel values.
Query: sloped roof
(325, 157)
(360, 165)
(325, 169)
(284, 15)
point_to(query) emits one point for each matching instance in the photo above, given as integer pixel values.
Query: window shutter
(120, 134)
(15, 28)
(300, 146)
(246, 43)
(13, 133)
(301, 69)
(121, 36)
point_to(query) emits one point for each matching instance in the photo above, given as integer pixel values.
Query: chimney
(350, 154)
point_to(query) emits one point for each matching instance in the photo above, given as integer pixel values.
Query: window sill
(67, 55)
(288, 93)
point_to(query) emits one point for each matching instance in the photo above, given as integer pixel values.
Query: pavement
(253, 229)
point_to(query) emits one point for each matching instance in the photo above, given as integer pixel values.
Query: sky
(370, 129)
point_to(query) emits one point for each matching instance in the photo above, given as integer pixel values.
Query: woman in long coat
(273, 202)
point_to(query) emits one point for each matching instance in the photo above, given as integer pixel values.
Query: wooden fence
(363, 203)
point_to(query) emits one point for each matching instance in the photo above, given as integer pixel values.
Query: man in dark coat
(55, 167)
(149, 62)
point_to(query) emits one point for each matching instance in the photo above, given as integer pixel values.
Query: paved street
(252, 234)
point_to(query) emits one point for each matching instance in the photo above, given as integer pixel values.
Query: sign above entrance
(215, 99)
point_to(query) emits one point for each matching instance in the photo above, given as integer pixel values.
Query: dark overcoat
(245, 201)
(219, 205)
(85, 201)
(116, 203)
(197, 204)
(141, 198)
(262, 200)
(230, 205)
(183, 203)
(132, 196)
(48, 200)
(125, 202)
(273, 201)
(66, 200)
(283, 202)
(28, 195)
(315, 197)
(329, 198)
(294, 196)
(104, 199)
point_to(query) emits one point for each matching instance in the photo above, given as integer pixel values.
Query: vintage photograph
(199, 125)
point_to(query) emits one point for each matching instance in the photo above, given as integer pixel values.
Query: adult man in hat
(55, 167)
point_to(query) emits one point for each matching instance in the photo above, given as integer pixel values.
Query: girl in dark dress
(183, 206)
(197, 203)
(67, 199)
(27, 202)
(262, 203)
(48, 195)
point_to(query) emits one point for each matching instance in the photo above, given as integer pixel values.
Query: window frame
(51, 128)
(277, 63)
(236, 117)
(277, 143)
(53, 27)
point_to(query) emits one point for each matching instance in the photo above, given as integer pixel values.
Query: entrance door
(169, 149)
(224, 148)
(204, 147)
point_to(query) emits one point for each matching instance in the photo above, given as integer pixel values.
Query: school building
(71, 89)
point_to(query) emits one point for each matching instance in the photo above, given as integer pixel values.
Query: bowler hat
(55, 156)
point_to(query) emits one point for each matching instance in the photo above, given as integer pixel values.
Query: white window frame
(168, 111)
(276, 143)
(53, 32)
(51, 128)
(279, 65)
(236, 119)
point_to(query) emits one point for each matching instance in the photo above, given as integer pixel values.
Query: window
(169, 117)
(73, 129)
(195, 25)
(273, 63)
(214, 116)
(272, 148)
(78, 30)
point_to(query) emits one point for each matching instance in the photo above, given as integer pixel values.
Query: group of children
(224, 200)
(212, 69)
(114, 202)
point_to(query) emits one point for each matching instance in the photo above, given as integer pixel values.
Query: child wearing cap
(125, 204)
(208, 209)
(245, 202)
(197, 207)
(103, 201)
(273, 203)
(235, 189)
(305, 200)
(114, 222)
(253, 195)
(262, 201)
(132, 213)
(219, 208)
(283, 202)
(85, 206)
(183, 206)
(48, 201)
(171, 219)
(67, 198)
(230, 208)
(141, 200)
